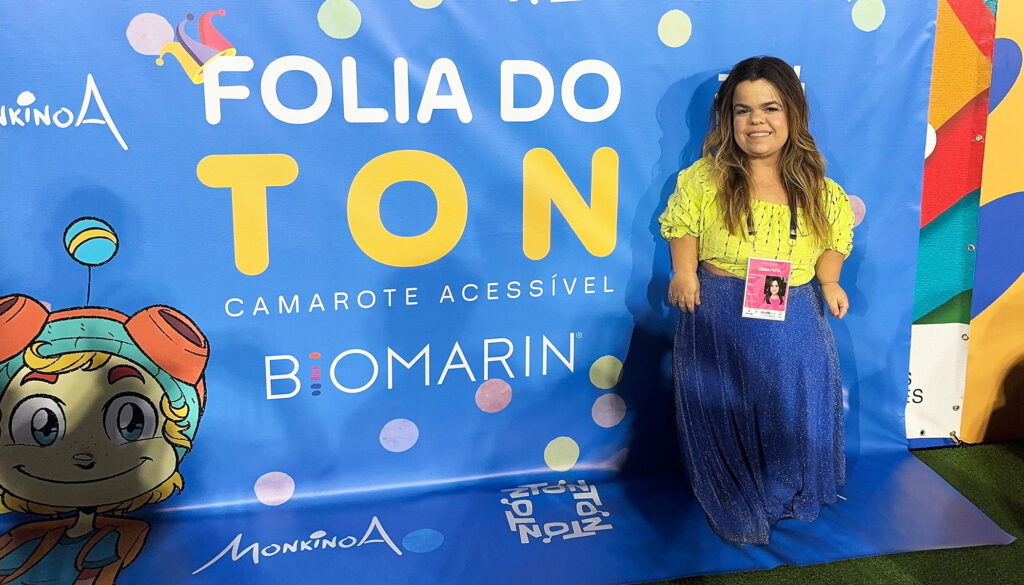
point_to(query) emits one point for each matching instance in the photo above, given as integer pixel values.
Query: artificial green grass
(990, 476)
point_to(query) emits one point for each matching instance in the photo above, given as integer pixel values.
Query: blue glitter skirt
(759, 409)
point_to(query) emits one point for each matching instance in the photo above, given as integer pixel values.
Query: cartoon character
(97, 410)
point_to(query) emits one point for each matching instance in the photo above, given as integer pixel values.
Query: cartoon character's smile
(21, 469)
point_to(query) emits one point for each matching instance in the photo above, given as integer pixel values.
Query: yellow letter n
(545, 182)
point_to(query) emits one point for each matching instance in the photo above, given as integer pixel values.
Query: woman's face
(774, 287)
(759, 122)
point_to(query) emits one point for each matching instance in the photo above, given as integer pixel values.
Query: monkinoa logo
(27, 112)
(319, 541)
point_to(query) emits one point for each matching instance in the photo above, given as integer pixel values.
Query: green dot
(426, 4)
(561, 454)
(868, 14)
(340, 19)
(606, 372)
(674, 28)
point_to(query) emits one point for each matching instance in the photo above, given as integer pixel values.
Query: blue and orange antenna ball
(90, 241)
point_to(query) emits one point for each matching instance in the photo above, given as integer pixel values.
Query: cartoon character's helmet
(160, 339)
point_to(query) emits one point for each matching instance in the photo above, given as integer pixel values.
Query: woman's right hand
(684, 291)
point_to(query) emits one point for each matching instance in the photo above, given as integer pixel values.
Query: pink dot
(859, 209)
(493, 395)
(274, 488)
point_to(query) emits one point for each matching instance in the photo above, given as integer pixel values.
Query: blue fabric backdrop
(425, 456)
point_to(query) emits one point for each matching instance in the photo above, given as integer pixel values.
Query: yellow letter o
(368, 188)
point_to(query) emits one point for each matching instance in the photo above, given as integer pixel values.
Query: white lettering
(509, 70)
(214, 92)
(456, 100)
(268, 89)
(271, 395)
(342, 387)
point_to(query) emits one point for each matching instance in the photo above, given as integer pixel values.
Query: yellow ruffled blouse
(692, 210)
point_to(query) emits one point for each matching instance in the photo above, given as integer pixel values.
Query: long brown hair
(801, 166)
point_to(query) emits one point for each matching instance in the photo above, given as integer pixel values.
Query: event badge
(767, 284)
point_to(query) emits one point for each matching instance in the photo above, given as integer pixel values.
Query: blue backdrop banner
(388, 282)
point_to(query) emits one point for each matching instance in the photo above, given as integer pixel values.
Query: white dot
(399, 435)
(274, 488)
(929, 143)
(608, 410)
(26, 98)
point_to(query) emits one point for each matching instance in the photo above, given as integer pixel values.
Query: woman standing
(759, 402)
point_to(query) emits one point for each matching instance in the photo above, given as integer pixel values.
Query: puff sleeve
(683, 215)
(840, 217)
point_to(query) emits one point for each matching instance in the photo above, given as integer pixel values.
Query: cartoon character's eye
(128, 418)
(38, 421)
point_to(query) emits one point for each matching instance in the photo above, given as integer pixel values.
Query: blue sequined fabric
(759, 410)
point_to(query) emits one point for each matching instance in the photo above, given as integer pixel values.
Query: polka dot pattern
(147, 33)
(399, 435)
(675, 28)
(274, 488)
(608, 410)
(493, 395)
(561, 454)
(868, 14)
(339, 19)
(423, 540)
(606, 372)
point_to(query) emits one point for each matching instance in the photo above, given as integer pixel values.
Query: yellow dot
(426, 4)
(674, 28)
(868, 14)
(340, 19)
(606, 372)
(561, 454)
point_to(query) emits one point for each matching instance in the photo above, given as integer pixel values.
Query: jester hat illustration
(193, 55)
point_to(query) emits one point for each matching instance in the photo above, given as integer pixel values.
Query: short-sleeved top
(693, 210)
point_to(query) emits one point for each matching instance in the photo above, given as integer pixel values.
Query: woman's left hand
(835, 298)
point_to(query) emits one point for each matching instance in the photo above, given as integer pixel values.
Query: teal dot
(423, 540)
